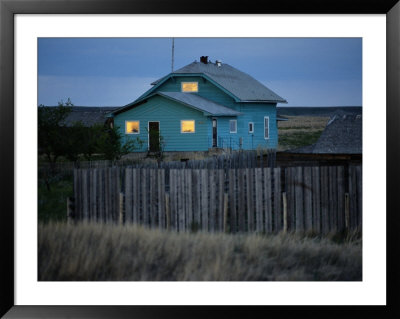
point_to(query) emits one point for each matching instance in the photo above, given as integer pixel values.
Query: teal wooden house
(201, 106)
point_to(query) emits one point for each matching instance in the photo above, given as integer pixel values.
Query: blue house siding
(254, 113)
(169, 114)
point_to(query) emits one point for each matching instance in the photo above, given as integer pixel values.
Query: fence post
(167, 211)
(284, 200)
(347, 210)
(70, 210)
(225, 212)
(121, 208)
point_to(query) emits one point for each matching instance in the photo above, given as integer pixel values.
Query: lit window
(266, 127)
(187, 126)
(251, 127)
(132, 127)
(190, 87)
(232, 126)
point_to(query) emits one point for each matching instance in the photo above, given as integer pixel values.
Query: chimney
(204, 59)
(218, 63)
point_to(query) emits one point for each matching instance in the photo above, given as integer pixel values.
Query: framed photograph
(24, 25)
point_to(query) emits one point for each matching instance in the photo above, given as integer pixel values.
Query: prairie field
(300, 131)
(100, 252)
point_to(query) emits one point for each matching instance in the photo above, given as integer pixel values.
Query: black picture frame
(8, 8)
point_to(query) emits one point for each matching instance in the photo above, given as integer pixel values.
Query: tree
(112, 147)
(52, 130)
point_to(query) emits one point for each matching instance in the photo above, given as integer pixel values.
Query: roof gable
(240, 85)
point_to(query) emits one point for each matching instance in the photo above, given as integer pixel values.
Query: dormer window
(189, 87)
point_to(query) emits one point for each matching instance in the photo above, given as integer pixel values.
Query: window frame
(232, 132)
(266, 137)
(194, 127)
(252, 126)
(197, 83)
(132, 133)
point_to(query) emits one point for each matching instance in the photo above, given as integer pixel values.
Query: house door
(214, 133)
(154, 136)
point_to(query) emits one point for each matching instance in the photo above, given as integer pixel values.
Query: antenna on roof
(172, 62)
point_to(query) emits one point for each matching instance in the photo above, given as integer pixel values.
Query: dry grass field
(98, 252)
(300, 131)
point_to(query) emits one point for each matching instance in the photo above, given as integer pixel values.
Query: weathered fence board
(268, 200)
(315, 198)
(278, 215)
(307, 192)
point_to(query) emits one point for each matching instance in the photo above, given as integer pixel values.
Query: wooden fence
(319, 199)
(236, 159)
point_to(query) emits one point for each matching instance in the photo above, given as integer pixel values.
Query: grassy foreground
(129, 253)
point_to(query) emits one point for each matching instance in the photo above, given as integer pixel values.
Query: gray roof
(342, 135)
(200, 103)
(189, 99)
(240, 84)
(88, 115)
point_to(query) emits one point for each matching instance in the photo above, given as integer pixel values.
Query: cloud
(318, 92)
(90, 90)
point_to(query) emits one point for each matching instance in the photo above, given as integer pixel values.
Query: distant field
(300, 131)
(127, 253)
(317, 111)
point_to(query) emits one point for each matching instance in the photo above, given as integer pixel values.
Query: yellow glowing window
(132, 127)
(190, 87)
(187, 126)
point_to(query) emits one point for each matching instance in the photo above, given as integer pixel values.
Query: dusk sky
(115, 71)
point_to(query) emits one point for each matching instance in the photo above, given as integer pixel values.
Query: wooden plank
(241, 200)
(212, 218)
(316, 196)
(94, 196)
(353, 196)
(333, 200)
(115, 193)
(259, 200)
(221, 187)
(128, 195)
(232, 201)
(307, 191)
(167, 212)
(181, 201)
(249, 200)
(173, 199)
(144, 195)
(268, 200)
(299, 199)
(153, 198)
(359, 196)
(161, 198)
(76, 195)
(285, 214)
(340, 197)
(85, 194)
(117, 188)
(204, 199)
(278, 222)
(290, 196)
(196, 197)
(226, 207)
(101, 195)
(189, 206)
(121, 208)
(135, 181)
(324, 200)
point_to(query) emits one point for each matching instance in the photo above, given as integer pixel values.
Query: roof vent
(218, 63)
(204, 59)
